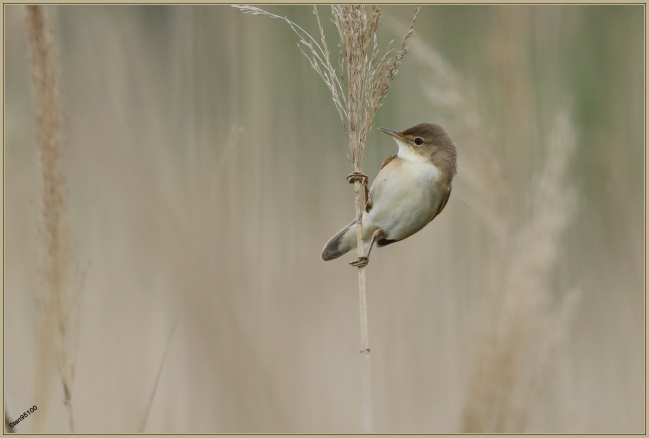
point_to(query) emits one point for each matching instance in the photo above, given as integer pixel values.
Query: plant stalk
(368, 81)
(55, 325)
(362, 293)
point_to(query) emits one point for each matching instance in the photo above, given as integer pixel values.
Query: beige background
(206, 168)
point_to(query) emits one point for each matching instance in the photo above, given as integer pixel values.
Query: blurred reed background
(206, 166)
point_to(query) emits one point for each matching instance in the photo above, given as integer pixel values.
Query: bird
(411, 189)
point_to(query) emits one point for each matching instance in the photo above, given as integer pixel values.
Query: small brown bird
(411, 189)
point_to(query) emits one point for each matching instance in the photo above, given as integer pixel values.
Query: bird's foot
(360, 262)
(357, 176)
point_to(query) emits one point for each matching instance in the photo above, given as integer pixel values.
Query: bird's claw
(357, 176)
(360, 262)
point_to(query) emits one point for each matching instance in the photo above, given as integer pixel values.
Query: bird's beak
(394, 134)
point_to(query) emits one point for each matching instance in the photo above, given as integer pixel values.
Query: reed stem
(368, 79)
(362, 292)
(54, 330)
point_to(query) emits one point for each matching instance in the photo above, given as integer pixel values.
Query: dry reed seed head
(368, 82)
(55, 260)
(45, 78)
(252, 10)
(49, 137)
(489, 400)
(374, 24)
(525, 299)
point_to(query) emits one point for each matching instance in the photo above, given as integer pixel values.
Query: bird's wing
(387, 160)
(447, 194)
(368, 199)
(376, 185)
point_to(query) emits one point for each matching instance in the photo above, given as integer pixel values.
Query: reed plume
(359, 86)
(523, 329)
(55, 298)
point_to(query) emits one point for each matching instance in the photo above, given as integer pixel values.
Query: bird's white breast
(405, 195)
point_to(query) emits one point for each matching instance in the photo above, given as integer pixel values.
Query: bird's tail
(341, 243)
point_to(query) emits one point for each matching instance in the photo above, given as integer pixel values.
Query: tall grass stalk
(521, 331)
(359, 86)
(522, 334)
(55, 324)
(145, 418)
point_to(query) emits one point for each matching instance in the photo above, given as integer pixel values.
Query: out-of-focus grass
(187, 125)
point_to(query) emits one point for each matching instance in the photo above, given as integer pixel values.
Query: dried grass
(55, 299)
(359, 87)
(254, 356)
(524, 330)
(521, 328)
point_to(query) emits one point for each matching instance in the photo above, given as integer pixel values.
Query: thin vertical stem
(362, 292)
(367, 389)
(368, 82)
(157, 379)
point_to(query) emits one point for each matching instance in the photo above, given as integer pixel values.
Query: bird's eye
(419, 141)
